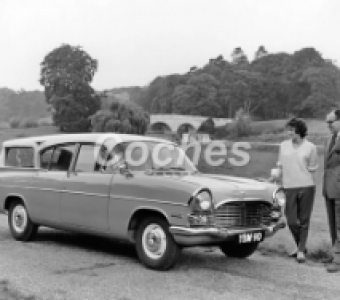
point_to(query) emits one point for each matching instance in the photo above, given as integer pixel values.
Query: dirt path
(67, 266)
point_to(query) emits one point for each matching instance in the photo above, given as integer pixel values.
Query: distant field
(314, 126)
(11, 133)
(273, 131)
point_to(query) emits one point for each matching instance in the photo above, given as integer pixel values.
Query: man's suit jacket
(331, 179)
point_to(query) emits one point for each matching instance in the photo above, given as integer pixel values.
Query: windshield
(148, 155)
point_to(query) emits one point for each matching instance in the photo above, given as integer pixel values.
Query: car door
(84, 200)
(47, 183)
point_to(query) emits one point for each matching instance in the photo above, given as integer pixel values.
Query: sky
(136, 41)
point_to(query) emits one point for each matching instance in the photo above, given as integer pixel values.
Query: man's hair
(337, 113)
(299, 126)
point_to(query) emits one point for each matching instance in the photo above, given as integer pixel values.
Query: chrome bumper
(192, 236)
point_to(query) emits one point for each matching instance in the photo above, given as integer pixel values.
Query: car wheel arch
(140, 214)
(11, 198)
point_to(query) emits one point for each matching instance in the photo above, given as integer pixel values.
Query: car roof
(48, 140)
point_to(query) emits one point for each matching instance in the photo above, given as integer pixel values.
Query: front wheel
(156, 247)
(20, 224)
(232, 249)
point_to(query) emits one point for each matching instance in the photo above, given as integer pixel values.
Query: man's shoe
(295, 252)
(333, 268)
(327, 260)
(301, 257)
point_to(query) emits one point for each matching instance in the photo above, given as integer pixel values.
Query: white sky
(135, 41)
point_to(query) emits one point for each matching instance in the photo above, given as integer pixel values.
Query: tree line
(271, 86)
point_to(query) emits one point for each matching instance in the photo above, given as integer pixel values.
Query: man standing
(331, 188)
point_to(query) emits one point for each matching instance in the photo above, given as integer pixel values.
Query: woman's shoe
(301, 257)
(294, 253)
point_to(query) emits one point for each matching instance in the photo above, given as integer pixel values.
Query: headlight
(201, 210)
(279, 198)
(204, 200)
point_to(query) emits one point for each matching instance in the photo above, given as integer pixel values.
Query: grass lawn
(273, 131)
(262, 160)
(13, 133)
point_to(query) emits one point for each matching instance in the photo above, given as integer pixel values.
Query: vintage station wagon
(103, 184)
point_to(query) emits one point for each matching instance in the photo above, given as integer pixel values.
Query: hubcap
(19, 219)
(154, 241)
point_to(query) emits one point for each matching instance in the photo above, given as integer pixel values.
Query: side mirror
(124, 170)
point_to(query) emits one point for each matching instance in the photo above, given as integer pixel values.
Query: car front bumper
(187, 236)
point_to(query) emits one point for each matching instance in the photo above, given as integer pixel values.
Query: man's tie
(332, 143)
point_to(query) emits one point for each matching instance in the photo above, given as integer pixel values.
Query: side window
(86, 161)
(21, 157)
(62, 157)
(45, 158)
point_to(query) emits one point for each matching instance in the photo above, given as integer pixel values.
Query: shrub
(121, 117)
(45, 122)
(14, 122)
(222, 132)
(207, 126)
(28, 123)
(242, 124)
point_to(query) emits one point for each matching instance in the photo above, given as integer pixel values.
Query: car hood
(225, 187)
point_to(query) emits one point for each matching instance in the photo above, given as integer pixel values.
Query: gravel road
(61, 265)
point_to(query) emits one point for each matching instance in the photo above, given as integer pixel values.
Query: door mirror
(124, 170)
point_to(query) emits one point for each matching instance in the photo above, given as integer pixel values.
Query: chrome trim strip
(231, 200)
(279, 189)
(119, 197)
(86, 194)
(222, 232)
(56, 190)
(29, 187)
(101, 195)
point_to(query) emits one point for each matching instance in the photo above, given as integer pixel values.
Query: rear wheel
(156, 247)
(20, 224)
(232, 249)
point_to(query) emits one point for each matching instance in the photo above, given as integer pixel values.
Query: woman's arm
(313, 160)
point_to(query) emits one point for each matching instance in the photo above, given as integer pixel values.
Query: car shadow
(85, 242)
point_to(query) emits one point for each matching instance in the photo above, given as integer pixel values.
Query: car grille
(243, 214)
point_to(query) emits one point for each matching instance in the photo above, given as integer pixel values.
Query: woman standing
(298, 160)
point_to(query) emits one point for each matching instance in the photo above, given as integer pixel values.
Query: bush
(14, 122)
(207, 126)
(28, 123)
(222, 132)
(121, 117)
(242, 124)
(45, 122)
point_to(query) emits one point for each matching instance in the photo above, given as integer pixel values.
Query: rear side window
(21, 157)
(57, 158)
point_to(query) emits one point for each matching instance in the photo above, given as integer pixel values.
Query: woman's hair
(337, 113)
(299, 126)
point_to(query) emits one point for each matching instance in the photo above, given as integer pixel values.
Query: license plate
(250, 237)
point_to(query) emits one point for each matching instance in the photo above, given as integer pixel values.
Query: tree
(261, 51)
(239, 57)
(66, 74)
(122, 117)
(197, 97)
